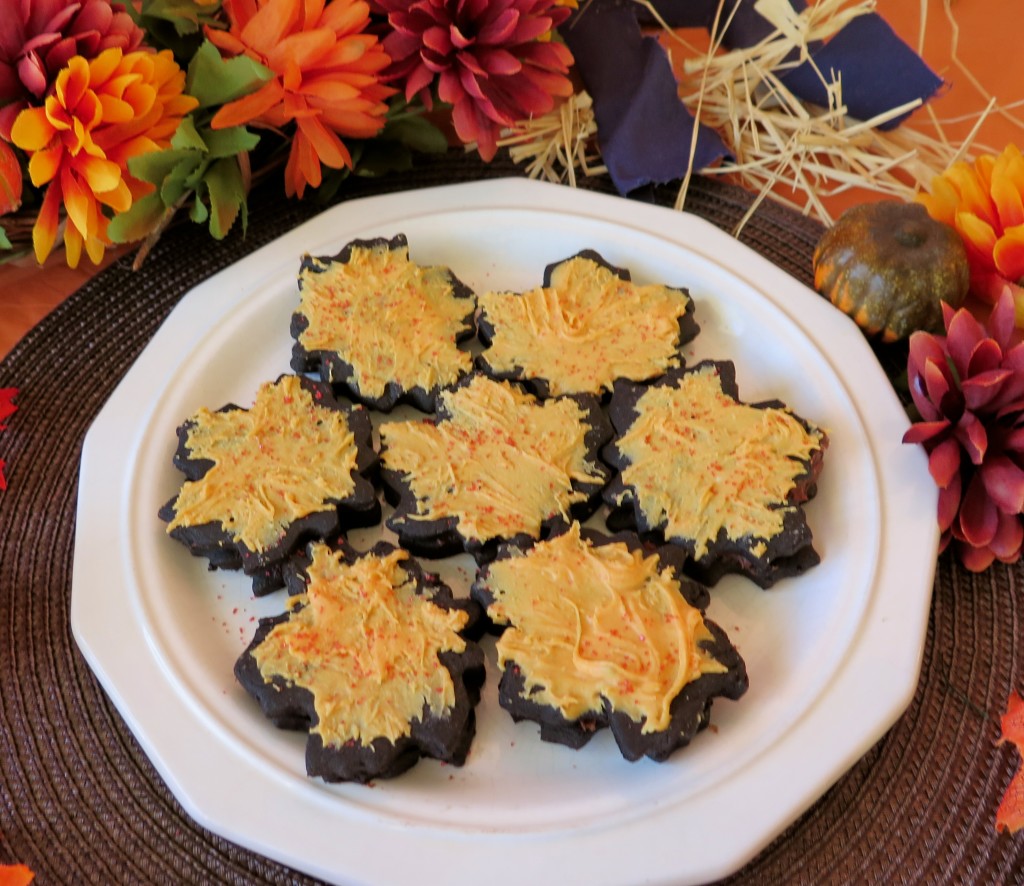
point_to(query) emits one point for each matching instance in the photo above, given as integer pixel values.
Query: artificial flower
(494, 61)
(1010, 815)
(985, 203)
(10, 180)
(100, 114)
(39, 37)
(7, 409)
(15, 875)
(968, 386)
(326, 78)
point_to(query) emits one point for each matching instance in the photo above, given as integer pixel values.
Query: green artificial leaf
(162, 34)
(415, 132)
(201, 162)
(217, 81)
(4, 242)
(381, 158)
(187, 136)
(139, 221)
(155, 166)
(195, 178)
(228, 142)
(184, 168)
(227, 195)
(183, 14)
(164, 19)
(182, 178)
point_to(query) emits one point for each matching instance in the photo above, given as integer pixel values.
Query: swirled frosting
(283, 459)
(586, 329)
(501, 462)
(387, 317)
(700, 461)
(591, 622)
(366, 646)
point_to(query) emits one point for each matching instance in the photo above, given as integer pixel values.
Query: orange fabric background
(989, 45)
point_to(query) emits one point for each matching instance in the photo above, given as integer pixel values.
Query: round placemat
(79, 800)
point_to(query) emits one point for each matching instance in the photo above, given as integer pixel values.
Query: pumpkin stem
(911, 236)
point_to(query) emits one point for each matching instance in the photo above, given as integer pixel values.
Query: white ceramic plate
(833, 656)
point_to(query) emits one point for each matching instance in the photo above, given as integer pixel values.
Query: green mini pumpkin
(889, 265)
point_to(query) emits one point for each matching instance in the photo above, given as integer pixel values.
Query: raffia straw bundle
(555, 145)
(799, 154)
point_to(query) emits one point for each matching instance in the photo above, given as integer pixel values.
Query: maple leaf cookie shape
(723, 479)
(373, 658)
(259, 481)
(600, 631)
(380, 327)
(587, 326)
(496, 464)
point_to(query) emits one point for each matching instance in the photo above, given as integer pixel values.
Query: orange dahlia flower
(326, 78)
(985, 203)
(100, 114)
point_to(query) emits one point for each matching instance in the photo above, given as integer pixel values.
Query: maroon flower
(37, 37)
(493, 60)
(969, 388)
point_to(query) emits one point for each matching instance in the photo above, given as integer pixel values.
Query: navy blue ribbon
(644, 130)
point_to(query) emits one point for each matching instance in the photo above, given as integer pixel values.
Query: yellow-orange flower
(326, 78)
(101, 113)
(985, 203)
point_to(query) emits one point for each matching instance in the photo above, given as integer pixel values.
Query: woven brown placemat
(80, 802)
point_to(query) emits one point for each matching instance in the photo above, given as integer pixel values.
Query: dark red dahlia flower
(493, 60)
(968, 386)
(38, 37)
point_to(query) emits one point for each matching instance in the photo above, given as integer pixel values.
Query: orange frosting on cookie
(588, 328)
(502, 463)
(366, 645)
(592, 622)
(283, 459)
(701, 461)
(387, 317)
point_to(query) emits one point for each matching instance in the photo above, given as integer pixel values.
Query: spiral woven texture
(79, 800)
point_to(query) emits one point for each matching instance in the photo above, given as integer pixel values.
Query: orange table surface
(988, 45)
